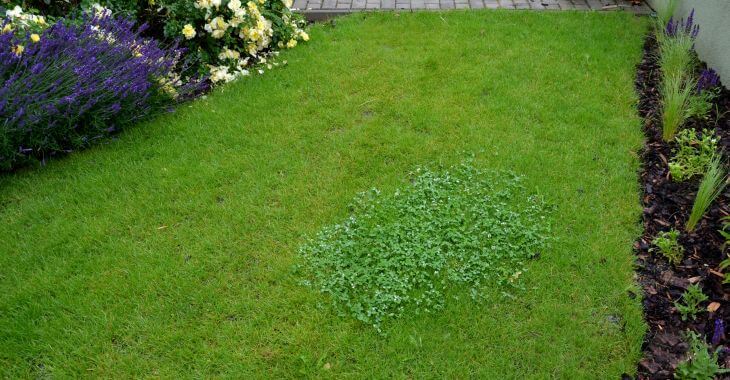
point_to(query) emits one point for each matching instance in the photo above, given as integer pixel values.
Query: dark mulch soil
(667, 205)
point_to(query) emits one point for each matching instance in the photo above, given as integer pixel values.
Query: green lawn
(169, 251)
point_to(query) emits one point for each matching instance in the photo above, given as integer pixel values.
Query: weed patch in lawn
(456, 229)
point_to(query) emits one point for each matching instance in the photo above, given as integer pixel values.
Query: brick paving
(323, 8)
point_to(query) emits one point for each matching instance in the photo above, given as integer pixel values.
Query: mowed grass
(169, 251)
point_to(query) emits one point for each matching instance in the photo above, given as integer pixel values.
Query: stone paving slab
(323, 9)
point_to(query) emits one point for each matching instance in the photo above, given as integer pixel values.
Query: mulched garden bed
(667, 204)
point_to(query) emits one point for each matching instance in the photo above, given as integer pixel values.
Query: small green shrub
(693, 153)
(701, 363)
(691, 300)
(668, 245)
(712, 185)
(464, 229)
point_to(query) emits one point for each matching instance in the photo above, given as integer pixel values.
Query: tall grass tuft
(675, 55)
(679, 88)
(676, 99)
(711, 187)
(665, 9)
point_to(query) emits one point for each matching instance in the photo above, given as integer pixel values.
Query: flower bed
(69, 83)
(679, 333)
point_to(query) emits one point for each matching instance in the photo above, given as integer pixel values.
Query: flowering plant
(228, 37)
(71, 84)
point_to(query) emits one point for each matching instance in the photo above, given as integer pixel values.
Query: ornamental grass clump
(450, 232)
(712, 185)
(665, 10)
(676, 96)
(683, 96)
(72, 84)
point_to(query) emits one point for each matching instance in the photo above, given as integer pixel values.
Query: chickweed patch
(668, 245)
(691, 300)
(693, 153)
(460, 229)
(701, 361)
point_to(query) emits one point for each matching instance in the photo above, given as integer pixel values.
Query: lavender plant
(72, 84)
(718, 333)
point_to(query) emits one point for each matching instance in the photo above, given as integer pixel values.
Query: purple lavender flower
(719, 334)
(690, 21)
(681, 26)
(76, 82)
(708, 79)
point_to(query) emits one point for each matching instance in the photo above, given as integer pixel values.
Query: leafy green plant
(692, 154)
(453, 231)
(691, 300)
(701, 363)
(712, 185)
(668, 245)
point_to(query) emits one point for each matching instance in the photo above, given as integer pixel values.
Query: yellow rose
(18, 49)
(304, 35)
(291, 43)
(35, 38)
(188, 31)
(7, 28)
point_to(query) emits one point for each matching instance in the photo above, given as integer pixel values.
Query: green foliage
(712, 185)
(701, 363)
(668, 245)
(693, 153)
(461, 229)
(691, 300)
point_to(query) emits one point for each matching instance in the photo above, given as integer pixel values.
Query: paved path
(315, 9)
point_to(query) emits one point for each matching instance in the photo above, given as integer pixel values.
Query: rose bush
(228, 37)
